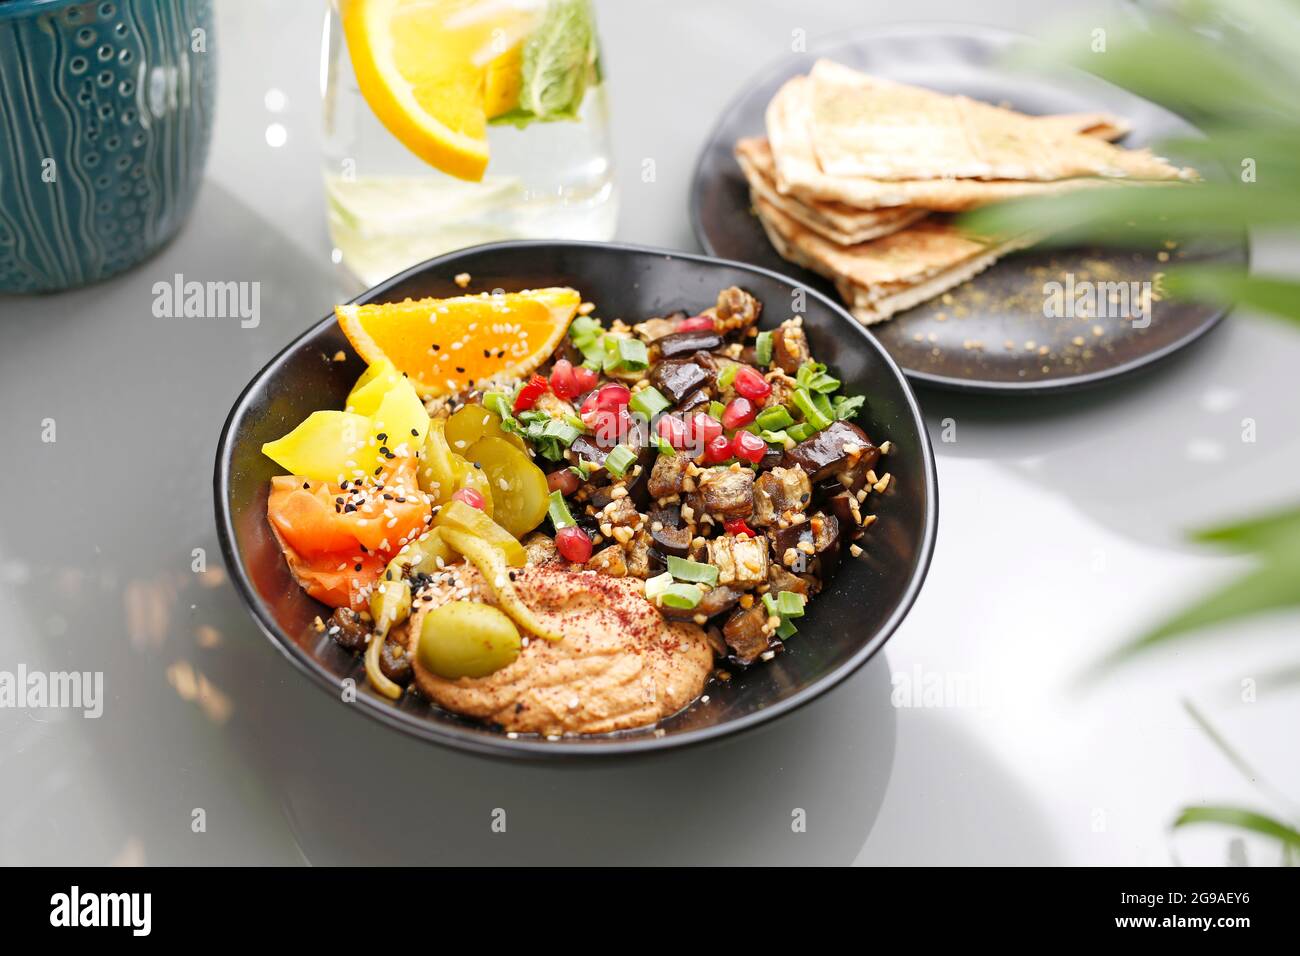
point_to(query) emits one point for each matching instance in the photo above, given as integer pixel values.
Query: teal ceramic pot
(105, 116)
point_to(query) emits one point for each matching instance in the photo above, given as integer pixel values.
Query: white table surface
(1061, 535)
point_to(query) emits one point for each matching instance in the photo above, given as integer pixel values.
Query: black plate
(987, 335)
(844, 626)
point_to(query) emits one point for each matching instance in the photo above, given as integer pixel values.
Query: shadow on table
(1152, 455)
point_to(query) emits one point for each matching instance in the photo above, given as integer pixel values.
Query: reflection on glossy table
(966, 741)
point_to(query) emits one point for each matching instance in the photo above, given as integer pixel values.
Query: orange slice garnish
(446, 346)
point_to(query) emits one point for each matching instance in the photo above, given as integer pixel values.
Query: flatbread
(840, 223)
(867, 126)
(883, 276)
(799, 176)
(849, 225)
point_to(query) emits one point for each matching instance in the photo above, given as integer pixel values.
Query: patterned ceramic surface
(105, 116)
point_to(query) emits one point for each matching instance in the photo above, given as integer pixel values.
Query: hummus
(620, 665)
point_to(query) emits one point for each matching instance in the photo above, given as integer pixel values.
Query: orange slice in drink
(423, 65)
(446, 346)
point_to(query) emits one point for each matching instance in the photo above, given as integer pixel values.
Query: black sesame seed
(306, 485)
(436, 346)
(415, 433)
(460, 369)
(356, 567)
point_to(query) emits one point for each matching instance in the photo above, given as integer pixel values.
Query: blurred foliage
(1232, 67)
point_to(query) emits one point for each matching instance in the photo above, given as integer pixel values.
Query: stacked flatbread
(857, 176)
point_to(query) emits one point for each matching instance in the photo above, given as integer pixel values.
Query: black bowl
(844, 626)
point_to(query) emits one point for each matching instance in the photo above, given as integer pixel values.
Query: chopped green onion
(813, 415)
(769, 604)
(801, 431)
(560, 430)
(812, 376)
(657, 585)
(848, 406)
(632, 355)
(558, 509)
(727, 375)
(498, 405)
(684, 569)
(786, 629)
(774, 418)
(781, 438)
(763, 349)
(823, 404)
(619, 461)
(716, 409)
(649, 402)
(582, 469)
(588, 336)
(790, 604)
(682, 596)
(664, 447)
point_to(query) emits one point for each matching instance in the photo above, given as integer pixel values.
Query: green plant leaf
(1272, 586)
(1275, 531)
(1227, 285)
(1141, 214)
(1240, 819)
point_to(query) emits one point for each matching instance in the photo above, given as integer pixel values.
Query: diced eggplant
(694, 401)
(779, 579)
(349, 631)
(727, 492)
(654, 329)
(822, 533)
(779, 491)
(587, 450)
(677, 378)
(747, 633)
(639, 561)
(668, 476)
(741, 561)
(771, 458)
(674, 541)
(611, 561)
(836, 447)
(736, 309)
(715, 601)
(790, 347)
(686, 343)
(638, 477)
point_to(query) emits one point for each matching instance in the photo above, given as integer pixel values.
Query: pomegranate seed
(697, 323)
(470, 496)
(562, 380)
(573, 544)
(750, 384)
(584, 379)
(564, 481)
(717, 450)
(673, 430)
(738, 413)
(612, 395)
(588, 404)
(748, 446)
(610, 425)
(704, 428)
